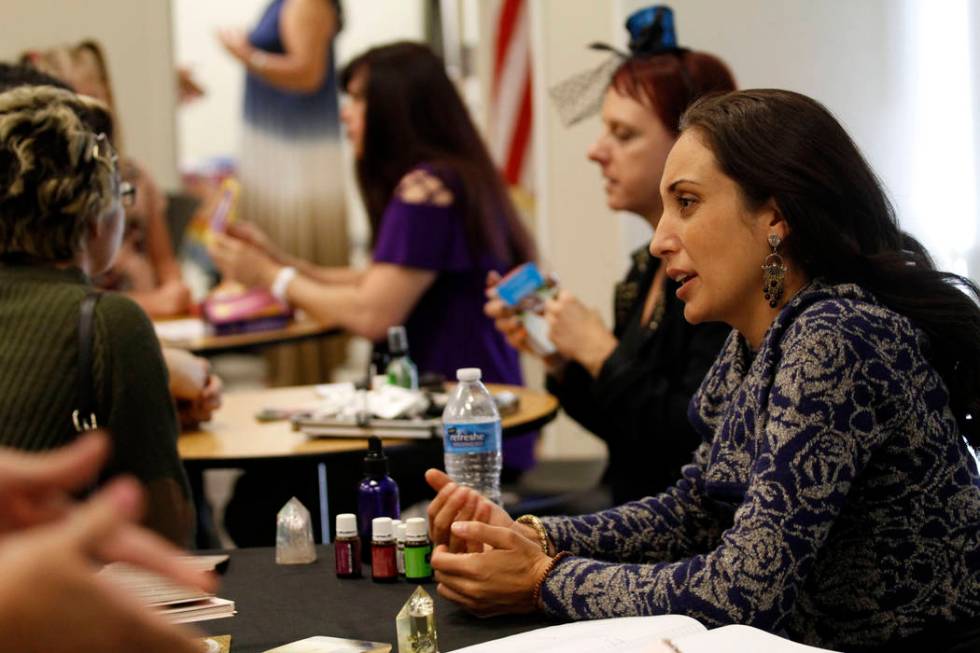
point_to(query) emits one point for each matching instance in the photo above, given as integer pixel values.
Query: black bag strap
(84, 417)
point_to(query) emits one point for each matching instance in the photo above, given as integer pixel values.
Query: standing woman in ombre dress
(290, 155)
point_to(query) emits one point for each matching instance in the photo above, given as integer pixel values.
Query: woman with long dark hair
(441, 221)
(835, 498)
(631, 385)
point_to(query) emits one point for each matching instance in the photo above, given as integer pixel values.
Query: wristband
(536, 594)
(281, 283)
(535, 523)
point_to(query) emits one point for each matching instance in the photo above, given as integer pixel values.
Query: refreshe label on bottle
(479, 437)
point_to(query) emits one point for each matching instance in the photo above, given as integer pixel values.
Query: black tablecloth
(280, 604)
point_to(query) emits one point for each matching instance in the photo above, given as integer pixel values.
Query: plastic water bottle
(472, 437)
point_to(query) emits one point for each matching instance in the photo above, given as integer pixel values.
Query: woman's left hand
(500, 580)
(577, 332)
(242, 262)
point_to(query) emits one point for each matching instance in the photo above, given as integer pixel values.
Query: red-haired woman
(631, 385)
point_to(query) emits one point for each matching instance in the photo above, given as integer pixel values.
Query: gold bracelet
(535, 523)
(536, 594)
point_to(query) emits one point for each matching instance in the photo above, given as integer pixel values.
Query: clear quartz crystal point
(416, 624)
(294, 535)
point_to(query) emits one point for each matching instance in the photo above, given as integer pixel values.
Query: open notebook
(642, 635)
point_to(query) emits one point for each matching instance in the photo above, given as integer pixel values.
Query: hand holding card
(525, 290)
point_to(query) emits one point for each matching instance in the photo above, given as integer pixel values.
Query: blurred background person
(290, 164)
(61, 223)
(145, 268)
(441, 221)
(631, 385)
(196, 390)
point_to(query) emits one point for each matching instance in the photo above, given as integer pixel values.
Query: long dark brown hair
(787, 147)
(414, 115)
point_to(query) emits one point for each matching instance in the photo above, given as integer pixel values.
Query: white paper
(386, 401)
(740, 639)
(183, 330)
(623, 635)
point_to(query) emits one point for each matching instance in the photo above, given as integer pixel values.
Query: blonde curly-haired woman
(61, 222)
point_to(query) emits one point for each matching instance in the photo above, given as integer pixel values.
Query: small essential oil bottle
(418, 551)
(384, 565)
(347, 547)
(400, 529)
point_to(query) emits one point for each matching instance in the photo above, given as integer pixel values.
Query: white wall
(137, 40)
(578, 236)
(897, 73)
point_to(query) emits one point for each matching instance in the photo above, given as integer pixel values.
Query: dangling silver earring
(773, 273)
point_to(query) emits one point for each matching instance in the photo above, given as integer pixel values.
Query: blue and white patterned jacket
(832, 500)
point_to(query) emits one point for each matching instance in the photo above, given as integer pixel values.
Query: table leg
(324, 505)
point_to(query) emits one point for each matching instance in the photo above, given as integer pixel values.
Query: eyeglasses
(103, 150)
(127, 194)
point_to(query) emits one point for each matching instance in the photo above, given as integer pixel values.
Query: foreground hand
(51, 600)
(500, 580)
(455, 503)
(242, 262)
(578, 332)
(37, 488)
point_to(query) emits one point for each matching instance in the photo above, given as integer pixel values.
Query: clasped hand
(483, 560)
(242, 261)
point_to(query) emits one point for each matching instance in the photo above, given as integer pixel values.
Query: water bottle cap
(417, 527)
(381, 528)
(468, 374)
(395, 523)
(400, 531)
(346, 525)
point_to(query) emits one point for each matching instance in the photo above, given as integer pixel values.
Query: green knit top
(39, 314)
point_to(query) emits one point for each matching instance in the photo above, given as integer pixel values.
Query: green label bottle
(418, 551)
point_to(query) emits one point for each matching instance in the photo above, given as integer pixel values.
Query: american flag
(511, 119)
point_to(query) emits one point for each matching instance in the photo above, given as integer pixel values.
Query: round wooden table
(235, 438)
(203, 344)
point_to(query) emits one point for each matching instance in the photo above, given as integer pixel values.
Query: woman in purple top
(440, 217)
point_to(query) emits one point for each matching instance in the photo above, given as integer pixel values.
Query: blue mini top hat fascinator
(651, 32)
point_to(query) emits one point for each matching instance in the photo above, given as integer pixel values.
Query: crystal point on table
(294, 535)
(416, 624)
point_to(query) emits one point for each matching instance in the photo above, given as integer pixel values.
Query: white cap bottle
(346, 525)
